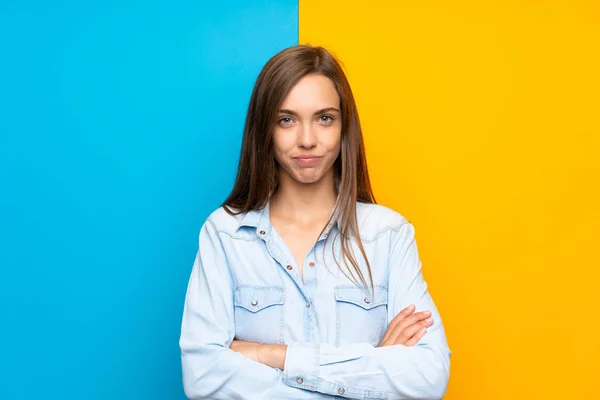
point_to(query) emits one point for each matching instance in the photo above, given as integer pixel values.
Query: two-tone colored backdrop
(120, 125)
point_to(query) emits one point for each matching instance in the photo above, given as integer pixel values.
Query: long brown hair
(257, 175)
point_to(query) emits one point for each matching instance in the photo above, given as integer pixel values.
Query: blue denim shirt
(245, 284)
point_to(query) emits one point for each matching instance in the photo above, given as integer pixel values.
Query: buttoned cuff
(303, 364)
(301, 367)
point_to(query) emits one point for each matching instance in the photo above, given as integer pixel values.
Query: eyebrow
(321, 111)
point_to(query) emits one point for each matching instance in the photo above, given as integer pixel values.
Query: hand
(272, 355)
(248, 349)
(407, 328)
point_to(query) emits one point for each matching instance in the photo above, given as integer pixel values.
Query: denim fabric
(245, 284)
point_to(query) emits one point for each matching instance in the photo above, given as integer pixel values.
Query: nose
(307, 136)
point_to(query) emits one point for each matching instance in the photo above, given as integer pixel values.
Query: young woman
(303, 287)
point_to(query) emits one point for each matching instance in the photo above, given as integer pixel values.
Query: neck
(303, 202)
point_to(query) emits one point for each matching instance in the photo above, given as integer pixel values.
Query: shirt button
(308, 304)
(254, 302)
(289, 267)
(311, 264)
(262, 232)
(299, 381)
(341, 390)
(367, 300)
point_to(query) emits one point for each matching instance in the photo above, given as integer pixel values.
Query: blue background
(120, 130)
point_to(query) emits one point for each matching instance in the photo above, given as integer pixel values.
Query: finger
(414, 319)
(412, 330)
(415, 339)
(397, 319)
(400, 324)
(399, 337)
(403, 314)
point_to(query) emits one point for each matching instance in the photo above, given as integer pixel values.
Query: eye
(326, 119)
(285, 121)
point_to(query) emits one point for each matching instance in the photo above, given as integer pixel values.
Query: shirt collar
(256, 219)
(260, 220)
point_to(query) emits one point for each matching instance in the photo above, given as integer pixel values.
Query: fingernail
(427, 313)
(410, 307)
(429, 320)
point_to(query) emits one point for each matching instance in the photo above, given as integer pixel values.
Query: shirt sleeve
(362, 371)
(211, 370)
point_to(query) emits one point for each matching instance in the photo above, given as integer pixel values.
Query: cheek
(334, 145)
(280, 145)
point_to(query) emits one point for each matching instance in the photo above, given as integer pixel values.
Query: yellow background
(482, 127)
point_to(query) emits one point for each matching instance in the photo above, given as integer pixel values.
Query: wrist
(272, 355)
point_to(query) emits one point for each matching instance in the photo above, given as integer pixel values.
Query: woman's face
(306, 138)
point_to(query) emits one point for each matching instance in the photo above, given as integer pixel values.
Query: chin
(308, 179)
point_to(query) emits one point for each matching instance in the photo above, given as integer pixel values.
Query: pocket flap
(255, 298)
(361, 297)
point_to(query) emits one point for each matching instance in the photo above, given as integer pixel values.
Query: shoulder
(220, 221)
(375, 220)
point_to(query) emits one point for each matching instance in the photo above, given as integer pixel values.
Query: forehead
(312, 92)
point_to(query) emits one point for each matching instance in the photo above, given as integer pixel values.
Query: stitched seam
(337, 323)
(250, 239)
(282, 321)
(383, 231)
(359, 302)
(274, 287)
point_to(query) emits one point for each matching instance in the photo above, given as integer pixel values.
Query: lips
(307, 159)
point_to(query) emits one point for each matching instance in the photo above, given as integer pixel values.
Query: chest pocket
(360, 316)
(259, 313)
